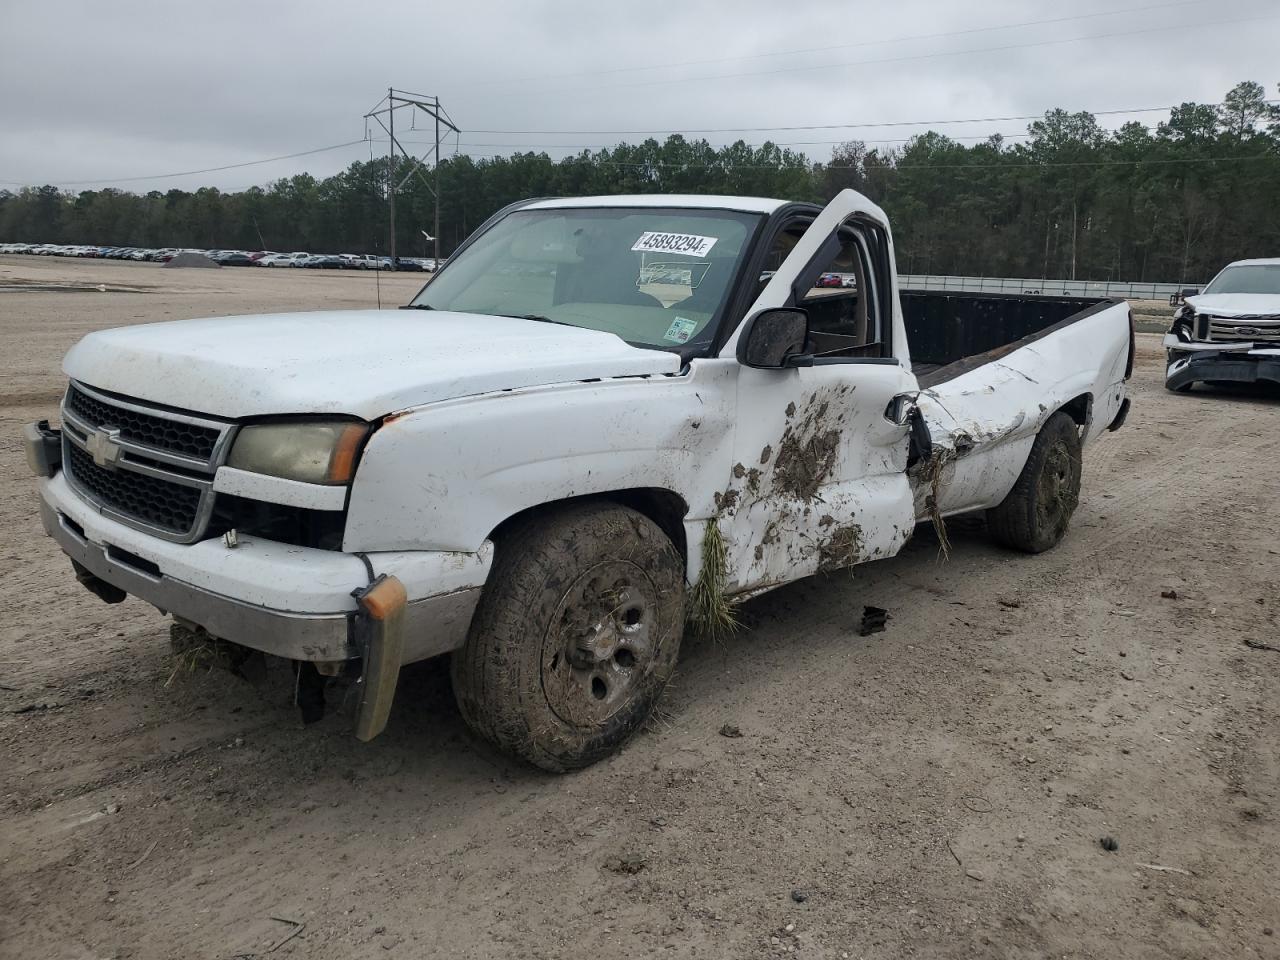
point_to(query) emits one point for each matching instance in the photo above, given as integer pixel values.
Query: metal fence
(1048, 288)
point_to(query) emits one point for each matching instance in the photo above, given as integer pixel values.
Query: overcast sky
(112, 89)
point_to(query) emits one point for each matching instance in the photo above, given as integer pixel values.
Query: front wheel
(1036, 513)
(575, 637)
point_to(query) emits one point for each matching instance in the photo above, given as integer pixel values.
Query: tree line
(1173, 202)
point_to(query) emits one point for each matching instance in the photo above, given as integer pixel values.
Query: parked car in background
(1230, 333)
(282, 259)
(323, 261)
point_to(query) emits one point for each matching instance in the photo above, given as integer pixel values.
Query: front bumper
(297, 636)
(292, 602)
(1230, 363)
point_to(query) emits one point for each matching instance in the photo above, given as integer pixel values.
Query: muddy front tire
(1036, 513)
(575, 637)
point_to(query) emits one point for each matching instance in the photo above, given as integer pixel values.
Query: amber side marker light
(342, 464)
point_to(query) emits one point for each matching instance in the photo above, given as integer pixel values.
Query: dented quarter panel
(985, 421)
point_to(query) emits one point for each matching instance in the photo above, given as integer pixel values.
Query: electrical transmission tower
(385, 109)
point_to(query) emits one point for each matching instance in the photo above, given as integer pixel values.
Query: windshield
(655, 277)
(1249, 278)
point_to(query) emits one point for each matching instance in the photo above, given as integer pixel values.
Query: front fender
(443, 476)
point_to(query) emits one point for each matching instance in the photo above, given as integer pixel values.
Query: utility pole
(387, 107)
(391, 175)
(436, 231)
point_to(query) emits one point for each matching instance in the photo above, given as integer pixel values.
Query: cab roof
(689, 200)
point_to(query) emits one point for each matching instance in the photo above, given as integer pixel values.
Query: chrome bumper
(432, 625)
(283, 634)
(1194, 347)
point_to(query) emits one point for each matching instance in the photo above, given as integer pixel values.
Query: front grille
(1231, 331)
(160, 503)
(143, 465)
(160, 433)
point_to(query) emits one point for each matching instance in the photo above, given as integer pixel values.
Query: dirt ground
(936, 790)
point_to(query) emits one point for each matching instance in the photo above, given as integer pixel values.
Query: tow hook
(106, 592)
(379, 633)
(44, 448)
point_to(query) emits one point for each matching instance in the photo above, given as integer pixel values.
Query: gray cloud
(96, 91)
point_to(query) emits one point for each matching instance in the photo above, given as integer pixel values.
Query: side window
(843, 298)
(835, 302)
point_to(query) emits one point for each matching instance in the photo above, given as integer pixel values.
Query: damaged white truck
(1230, 333)
(602, 417)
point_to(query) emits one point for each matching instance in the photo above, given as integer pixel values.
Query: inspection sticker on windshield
(680, 330)
(688, 244)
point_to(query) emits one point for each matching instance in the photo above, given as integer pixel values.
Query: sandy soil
(937, 790)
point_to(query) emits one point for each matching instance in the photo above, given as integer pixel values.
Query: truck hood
(1237, 305)
(365, 363)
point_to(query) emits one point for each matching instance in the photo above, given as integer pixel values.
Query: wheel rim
(601, 644)
(1057, 499)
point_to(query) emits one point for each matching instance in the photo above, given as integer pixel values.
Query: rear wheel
(1036, 513)
(576, 636)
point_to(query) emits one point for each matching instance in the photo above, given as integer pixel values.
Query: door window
(845, 319)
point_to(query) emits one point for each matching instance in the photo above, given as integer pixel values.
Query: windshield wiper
(535, 316)
(417, 306)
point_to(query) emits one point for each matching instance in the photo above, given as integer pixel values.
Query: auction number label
(687, 244)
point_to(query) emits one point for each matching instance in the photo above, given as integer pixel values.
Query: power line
(822, 126)
(777, 143)
(189, 173)
(919, 166)
(925, 56)
(691, 130)
(842, 46)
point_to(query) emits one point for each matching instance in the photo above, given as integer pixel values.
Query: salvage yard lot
(936, 790)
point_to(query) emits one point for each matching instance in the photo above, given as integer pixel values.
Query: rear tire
(1036, 513)
(576, 635)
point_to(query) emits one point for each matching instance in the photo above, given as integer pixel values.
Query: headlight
(307, 450)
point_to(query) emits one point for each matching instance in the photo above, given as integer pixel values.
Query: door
(819, 475)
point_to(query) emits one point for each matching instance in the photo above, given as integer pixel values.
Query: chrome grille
(1244, 331)
(159, 503)
(190, 439)
(145, 466)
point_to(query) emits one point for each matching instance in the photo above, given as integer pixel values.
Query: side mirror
(1191, 292)
(773, 339)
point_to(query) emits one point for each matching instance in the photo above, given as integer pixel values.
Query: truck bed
(952, 333)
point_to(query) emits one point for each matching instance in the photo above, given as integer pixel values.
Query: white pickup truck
(603, 417)
(1230, 333)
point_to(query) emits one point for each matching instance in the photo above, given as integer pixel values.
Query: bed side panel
(985, 419)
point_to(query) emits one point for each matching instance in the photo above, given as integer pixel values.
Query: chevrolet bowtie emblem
(104, 446)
